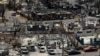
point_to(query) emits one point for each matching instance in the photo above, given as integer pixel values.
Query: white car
(42, 49)
(51, 52)
(24, 50)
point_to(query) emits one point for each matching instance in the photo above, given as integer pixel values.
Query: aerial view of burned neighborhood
(49, 27)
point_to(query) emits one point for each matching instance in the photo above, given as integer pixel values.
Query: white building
(87, 39)
(88, 36)
(91, 21)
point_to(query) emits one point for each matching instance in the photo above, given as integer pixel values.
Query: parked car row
(42, 49)
(26, 49)
(73, 51)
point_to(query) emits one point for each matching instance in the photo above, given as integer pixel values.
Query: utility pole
(62, 46)
(28, 9)
(3, 11)
(15, 28)
(62, 42)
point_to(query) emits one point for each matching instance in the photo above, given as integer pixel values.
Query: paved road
(38, 54)
(88, 54)
(46, 54)
(84, 54)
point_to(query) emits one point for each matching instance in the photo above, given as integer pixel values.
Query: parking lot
(49, 28)
(37, 52)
